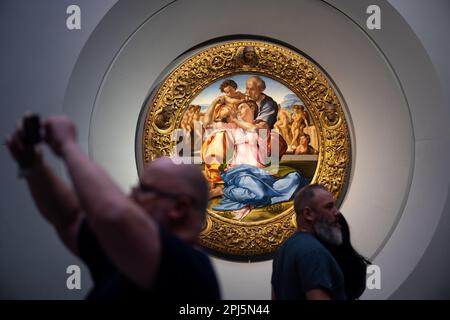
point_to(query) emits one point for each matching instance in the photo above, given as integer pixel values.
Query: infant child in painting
(228, 103)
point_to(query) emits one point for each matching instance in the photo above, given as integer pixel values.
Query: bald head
(258, 81)
(182, 179)
(254, 87)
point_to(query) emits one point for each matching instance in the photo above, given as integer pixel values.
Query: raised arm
(54, 198)
(129, 236)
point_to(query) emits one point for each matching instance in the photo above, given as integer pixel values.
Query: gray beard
(329, 233)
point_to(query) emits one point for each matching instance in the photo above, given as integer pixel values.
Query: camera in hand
(32, 136)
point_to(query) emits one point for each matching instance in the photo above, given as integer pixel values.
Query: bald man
(138, 246)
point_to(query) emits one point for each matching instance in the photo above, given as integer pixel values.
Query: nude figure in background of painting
(192, 126)
(304, 147)
(283, 125)
(197, 129)
(186, 122)
(299, 123)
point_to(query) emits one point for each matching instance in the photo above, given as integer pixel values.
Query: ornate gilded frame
(164, 111)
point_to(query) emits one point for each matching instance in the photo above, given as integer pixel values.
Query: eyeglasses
(148, 189)
(173, 196)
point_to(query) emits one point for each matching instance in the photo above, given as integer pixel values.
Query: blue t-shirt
(302, 264)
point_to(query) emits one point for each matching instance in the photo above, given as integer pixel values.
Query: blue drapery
(249, 185)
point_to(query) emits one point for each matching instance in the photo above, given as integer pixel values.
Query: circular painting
(261, 121)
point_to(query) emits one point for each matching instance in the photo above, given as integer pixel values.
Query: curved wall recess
(392, 134)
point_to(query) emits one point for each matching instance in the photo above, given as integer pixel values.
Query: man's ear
(175, 214)
(308, 214)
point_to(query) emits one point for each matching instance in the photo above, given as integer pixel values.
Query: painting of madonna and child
(256, 142)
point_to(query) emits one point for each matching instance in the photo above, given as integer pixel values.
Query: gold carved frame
(165, 111)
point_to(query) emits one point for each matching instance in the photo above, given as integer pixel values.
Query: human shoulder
(240, 95)
(185, 269)
(306, 244)
(268, 100)
(171, 242)
(176, 251)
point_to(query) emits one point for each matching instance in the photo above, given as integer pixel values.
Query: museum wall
(393, 84)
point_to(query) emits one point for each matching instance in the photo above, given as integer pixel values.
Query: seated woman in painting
(218, 146)
(219, 141)
(246, 184)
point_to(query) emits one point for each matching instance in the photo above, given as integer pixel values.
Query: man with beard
(302, 267)
(267, 112)
(351, 262)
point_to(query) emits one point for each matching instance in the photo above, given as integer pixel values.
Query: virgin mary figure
(247, 182)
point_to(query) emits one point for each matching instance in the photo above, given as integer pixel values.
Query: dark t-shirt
(184, 272)
(302, 264)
